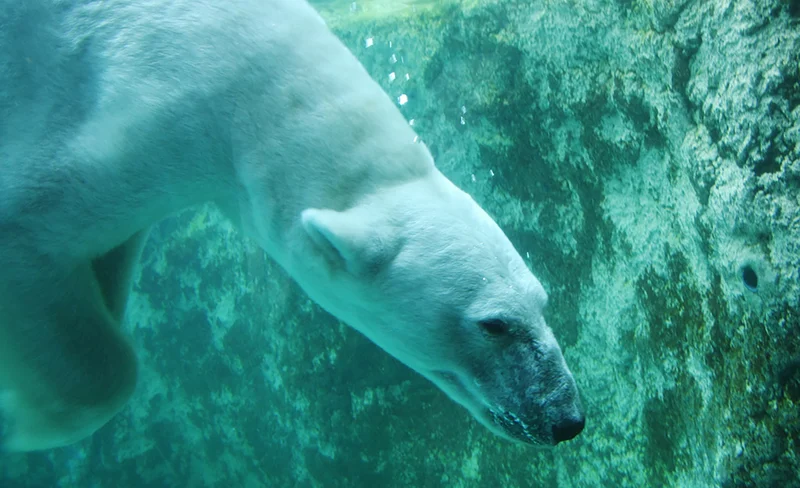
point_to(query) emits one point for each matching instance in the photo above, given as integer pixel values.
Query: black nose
(568, 428)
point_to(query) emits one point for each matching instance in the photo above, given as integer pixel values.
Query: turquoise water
(643, 157)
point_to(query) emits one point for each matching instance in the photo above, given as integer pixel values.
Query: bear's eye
(494, 327)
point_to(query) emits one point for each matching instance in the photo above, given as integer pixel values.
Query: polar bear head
(426, 274)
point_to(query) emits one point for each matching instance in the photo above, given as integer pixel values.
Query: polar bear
(115, 114)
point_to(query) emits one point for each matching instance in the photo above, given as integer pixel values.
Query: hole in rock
(750, 278)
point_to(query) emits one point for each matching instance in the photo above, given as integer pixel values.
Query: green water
(639, 154)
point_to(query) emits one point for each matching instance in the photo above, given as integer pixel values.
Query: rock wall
(644, 156)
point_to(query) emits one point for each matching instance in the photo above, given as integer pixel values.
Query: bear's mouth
(500, 420)
(513, 426)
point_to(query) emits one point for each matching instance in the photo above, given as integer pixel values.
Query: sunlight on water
(337, 12)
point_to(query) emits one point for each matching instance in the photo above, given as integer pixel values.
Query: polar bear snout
(555, 421)
(568, 428)
(564, 406)
(567, 410)
(532, 395)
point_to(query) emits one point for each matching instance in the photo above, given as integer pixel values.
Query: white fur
(115, 114)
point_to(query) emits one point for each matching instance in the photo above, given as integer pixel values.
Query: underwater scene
(643, 158)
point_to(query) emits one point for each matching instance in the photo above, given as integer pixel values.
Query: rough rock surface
(644, 155)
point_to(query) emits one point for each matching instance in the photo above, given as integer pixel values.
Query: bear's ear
(348, 240)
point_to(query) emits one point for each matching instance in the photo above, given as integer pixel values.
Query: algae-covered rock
(644, 156)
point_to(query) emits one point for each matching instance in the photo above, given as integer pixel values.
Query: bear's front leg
(65, 366)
